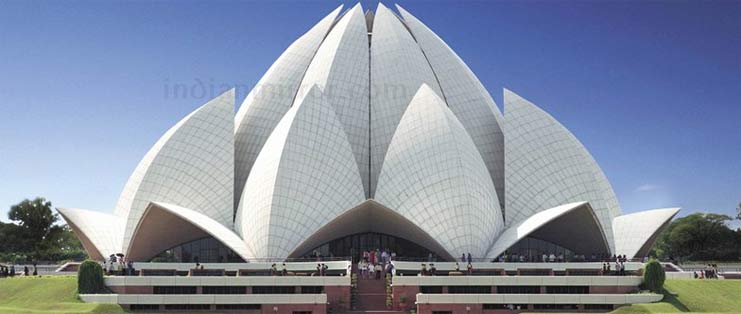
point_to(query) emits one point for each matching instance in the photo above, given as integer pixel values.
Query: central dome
(359, 115)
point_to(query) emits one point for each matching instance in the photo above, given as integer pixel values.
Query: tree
(738, 211)
(654, 276)
(35, 234)
(61, 244)
(36, 221)
(699, 236)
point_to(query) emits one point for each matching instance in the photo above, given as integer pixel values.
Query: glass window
(204, 250)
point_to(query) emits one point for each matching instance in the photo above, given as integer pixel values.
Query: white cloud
(647, 187)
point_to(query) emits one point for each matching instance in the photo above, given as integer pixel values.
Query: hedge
(90, 278)
(654, 276)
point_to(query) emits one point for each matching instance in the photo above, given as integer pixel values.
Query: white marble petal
(271, 98)
(340, 69)
(546, 166)
(435, 177)
(100, 233)
(556, 225)
(398, 68)
(466, 97)
(304, 177)
(166, 225)
(192, 164)
(635, 233)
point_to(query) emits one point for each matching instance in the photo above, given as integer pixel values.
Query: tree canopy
(35, 234)
(699, 236)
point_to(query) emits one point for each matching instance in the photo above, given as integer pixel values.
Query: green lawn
(693, 296)
(57, 295)
(47, 295)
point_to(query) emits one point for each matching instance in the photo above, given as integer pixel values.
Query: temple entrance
(531, 249)
(353, 246)
(367, 226)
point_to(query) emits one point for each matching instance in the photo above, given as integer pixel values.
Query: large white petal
(466, 97)
(305, 176)
(192, 164)
(271, 98)
(435, 177)
(546, 166)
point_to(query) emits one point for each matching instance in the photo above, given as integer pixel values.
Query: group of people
(549, 257)
(375, 264)
(274, 270)
(9, 271)
(619, 270)
(321, 270)
(432, 271)
(466, 258)
(710, 272)
(116, 264)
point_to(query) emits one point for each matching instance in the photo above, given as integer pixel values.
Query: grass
(58, 295)
(47, 295)
(693, 296)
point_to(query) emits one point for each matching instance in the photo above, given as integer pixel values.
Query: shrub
(403, 299)
(90, 278)
(654, 276)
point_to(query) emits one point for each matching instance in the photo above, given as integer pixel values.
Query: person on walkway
(379, 271)
(130, 268)
(463, 258)
(423, 271)
(366, 273)
(25, 271)
(470, 269)
(390, 268)
(284, 270)
(470, 260)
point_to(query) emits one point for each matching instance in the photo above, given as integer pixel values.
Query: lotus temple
(369, 132)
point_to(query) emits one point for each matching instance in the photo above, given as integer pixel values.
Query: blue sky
(653, 89)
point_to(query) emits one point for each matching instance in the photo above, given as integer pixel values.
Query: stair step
(370, 297)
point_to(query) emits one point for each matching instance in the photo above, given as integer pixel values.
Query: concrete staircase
(371, 297)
